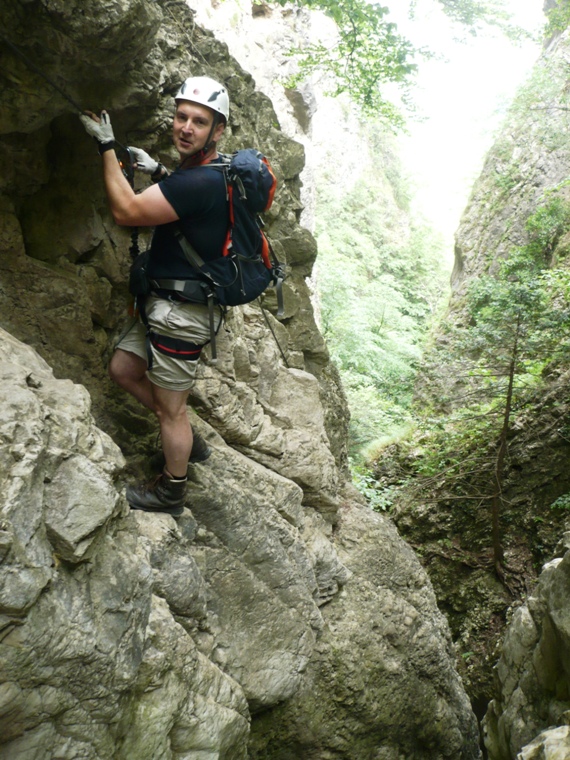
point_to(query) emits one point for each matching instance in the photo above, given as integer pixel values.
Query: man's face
(192, 125)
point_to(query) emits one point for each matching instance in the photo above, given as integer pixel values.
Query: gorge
(280, 617)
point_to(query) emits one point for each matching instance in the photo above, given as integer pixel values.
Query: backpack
(247, 265)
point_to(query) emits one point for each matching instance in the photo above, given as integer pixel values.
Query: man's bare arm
(145, 209)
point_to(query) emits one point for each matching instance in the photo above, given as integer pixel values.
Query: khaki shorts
(175, 319)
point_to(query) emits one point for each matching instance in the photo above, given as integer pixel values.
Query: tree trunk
(498, 555)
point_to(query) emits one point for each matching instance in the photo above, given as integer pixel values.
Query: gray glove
(144, 163)
(99, 128)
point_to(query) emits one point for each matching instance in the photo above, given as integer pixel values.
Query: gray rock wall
(128, 635)
(531, 713)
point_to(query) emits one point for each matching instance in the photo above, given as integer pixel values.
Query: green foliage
(517, 326)
(379, 499)
(558, 18)
(536, 115)
(523, 300)
(562, 503)
(547, 226)
(506, 309)
(472, 12)
(367, 53)
(508, 172)
(380, 280)
(456, 446)
(478, 16)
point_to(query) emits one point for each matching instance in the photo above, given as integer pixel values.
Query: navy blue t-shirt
(198, 195)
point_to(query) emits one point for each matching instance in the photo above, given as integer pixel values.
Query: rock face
(553, 744)
(533, 674)
(278, 615)
(125, 634)
(527, 169)
(395, 664)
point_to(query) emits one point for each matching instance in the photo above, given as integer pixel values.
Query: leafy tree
(517, 326)
(369, 52)
(477, 15)
(558, 17)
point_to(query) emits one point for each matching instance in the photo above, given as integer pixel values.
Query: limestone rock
(78, 501)
(272, 414)
(384, 648)
(168, 634)
(532, 675)
(553, 744)
(303, 101)
(97, 646)
(186, 706)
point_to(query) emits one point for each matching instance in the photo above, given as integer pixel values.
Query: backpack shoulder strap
(188, 249)
(221, 164)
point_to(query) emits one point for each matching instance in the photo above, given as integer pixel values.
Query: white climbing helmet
(206, 92)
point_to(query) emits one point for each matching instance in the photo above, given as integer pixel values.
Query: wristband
(156, 176)
(104, 147)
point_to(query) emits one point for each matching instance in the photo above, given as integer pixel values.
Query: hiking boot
(200, 452)
(200, 449)
(164, 494)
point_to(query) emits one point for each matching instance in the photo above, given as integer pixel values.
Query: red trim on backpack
(265, 251)
(227, 243)
(273, 185)
(231, 200)
(228, 240)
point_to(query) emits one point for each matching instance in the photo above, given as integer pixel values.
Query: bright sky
(461, 99)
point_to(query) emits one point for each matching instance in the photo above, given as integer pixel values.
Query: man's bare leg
(175, 429)
(168, 493)
(129, 372)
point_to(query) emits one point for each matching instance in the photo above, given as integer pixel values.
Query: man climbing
(156, 361)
